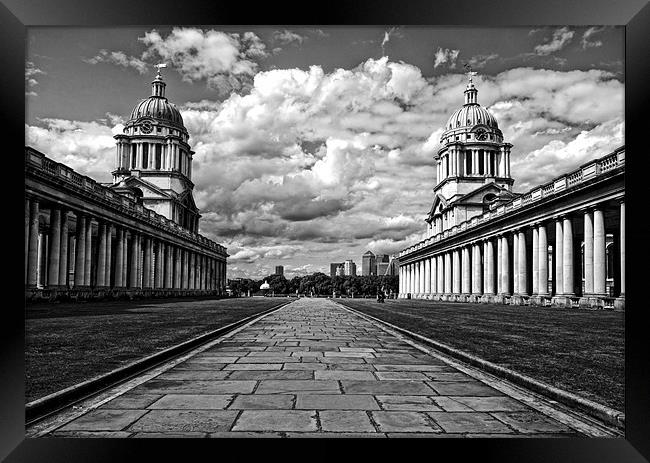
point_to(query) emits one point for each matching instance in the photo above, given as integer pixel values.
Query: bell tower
(154, 158)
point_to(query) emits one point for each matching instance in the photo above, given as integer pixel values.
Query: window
(134, 156)
(158, 156)
(145, 156)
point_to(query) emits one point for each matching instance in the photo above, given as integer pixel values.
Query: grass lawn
(580, 351)
(71, 342)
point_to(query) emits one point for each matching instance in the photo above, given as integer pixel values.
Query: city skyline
(353, 116)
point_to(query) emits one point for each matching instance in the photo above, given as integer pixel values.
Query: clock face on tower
(481, 134)
(146, 127)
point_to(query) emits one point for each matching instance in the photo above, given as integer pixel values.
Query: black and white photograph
(325, 231)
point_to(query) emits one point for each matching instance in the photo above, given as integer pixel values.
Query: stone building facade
(135, 237)
(561, 243)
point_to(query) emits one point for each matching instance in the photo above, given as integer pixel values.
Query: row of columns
(484, 268)
(458, 162)
(172, 156)
(130, 259)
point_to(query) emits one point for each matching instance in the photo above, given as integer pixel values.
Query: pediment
(149, 190)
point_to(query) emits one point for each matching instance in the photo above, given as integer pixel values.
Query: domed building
(473, 166)
(154, 159)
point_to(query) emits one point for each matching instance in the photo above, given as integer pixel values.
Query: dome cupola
(157, 106)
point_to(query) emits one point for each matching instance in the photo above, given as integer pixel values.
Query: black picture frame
(17, 15)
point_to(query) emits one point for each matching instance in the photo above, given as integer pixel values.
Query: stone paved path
(313, 369)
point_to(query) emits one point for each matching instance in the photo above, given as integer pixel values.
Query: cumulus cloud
(286, 37)
(445, 56)
(561, 37)
(118, 58)
(31, 71)
(87, 147)
(226, 61)
(587, 41)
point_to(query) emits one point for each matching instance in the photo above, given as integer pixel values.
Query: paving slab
(464, 422)
(132, 401)
(344, 374)
(185, 421)
(263, 402)
(531, 422)
(297, 387)
(416, 403)
(404, 421)
(387, 387)
(104, 420)
(336, 402)
(345, 421)
(276, 420)
(192, 402)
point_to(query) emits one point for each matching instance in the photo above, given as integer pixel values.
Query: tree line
(317, 284)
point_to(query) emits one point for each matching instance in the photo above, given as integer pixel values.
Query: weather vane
(470, 73)
(160, 66)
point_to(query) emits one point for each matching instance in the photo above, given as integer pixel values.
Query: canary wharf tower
(154, 159)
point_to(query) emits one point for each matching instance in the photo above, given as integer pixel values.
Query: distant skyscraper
(368, 264)
(279, 270)
(340, 271)
(350, 268)
(334, 266)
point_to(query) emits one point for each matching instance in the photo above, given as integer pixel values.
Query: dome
(158, 108)
(470, 115)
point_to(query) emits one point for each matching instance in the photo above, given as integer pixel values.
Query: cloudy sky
(314, 145)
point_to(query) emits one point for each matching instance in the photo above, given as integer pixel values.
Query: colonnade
(474, 162)
(513, 266)
(75, 250)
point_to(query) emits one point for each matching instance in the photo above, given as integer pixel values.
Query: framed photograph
(465, 154)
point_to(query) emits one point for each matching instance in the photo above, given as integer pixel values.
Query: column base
(563, 300)
(488, 298)
(518, 299)
(539, 300)
(474, 298)
(463, 297)
(592, 301)
(502, 299)
(619, 303)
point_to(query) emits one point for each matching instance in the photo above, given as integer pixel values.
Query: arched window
(145, 156)
(134, 156)
(158, 156)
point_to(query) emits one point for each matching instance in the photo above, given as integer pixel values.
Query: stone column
(456, 271)
(523, 283)
(101, 254)
(177, 268)
(186, 269)
(160, 265)
(567, 256)
(146, 262)
(622, 226)
(134, 261)
(417, 289)
(32, 260)
(427, 276)
(55, 247)
(589, 253)
(89, 252)
(477, 277)
(543, 261)
(119, 257)
(515, 262)
(434, 275)
(109, 247)
(558, 255)
(600, 261)
(441, 274)
(63, 251)
(499, 264)
(167, 268)
(535, 231)
(489, 288)
(42, 263)
(505, 266)
(80, 250)
(466, 267)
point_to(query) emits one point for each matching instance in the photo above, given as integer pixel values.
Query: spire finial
(470, 73)
(159, 66)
